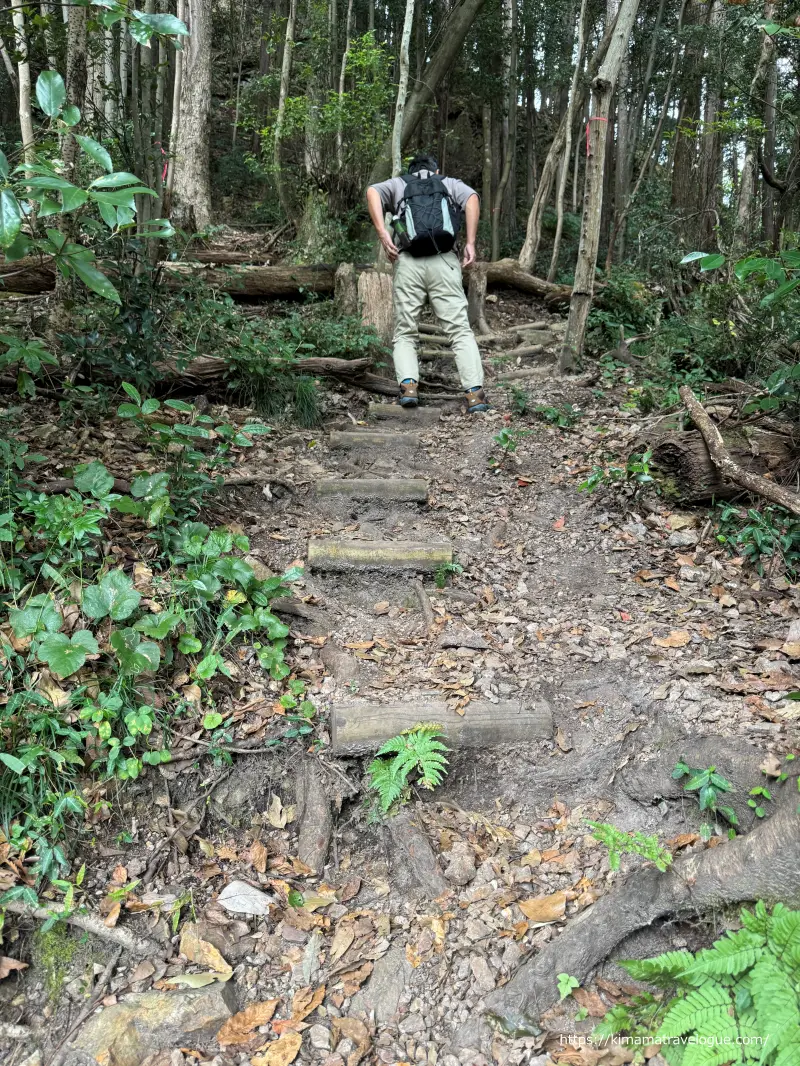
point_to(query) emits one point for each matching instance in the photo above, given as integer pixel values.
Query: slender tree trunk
(527, 255)
(23, 80)
(242, 23)
(10, 71)
(286, 70)
(530, 130)
(191, 203)
(768, 193)
(572, 110)
(453, 35)
(685, 183)
(45, 10)
(486, 182)
(710, 140)
(621, 162)
(638, 110)
(402, 89)
(75, 80)
(342, 76)
(177, 85)
(602, 93)
(747, 182)
(509, 81)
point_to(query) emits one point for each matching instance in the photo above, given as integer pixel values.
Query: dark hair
(423, 162)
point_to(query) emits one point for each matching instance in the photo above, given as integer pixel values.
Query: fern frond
(783, 937)
(674, 1053)
(775, 1000)
(712, 1054)
(433, 728)
(757, 920)
(789, 1055)
(664, 970)
(730, 955)
(752, 1039)
(704, 1008)
(392, 746)
(386, 782)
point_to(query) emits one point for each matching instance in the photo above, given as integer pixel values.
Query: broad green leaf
(108, 215)
(188, 644)
(114, 596)
(158, 625)
(39, 614)
(71, 199)
(159, 510)
(128, 410)
(48, 207)
(690, 258)
(140, 33)
(65, 655)
(94, 479)
(10, 218)
(51, 92)
(116, 180)
(158, 227)
(48, 182)
(132, 391)
(711, 262)
(13, 763)
(150, 487)
(93, 279)
(135, 655)
(168, 25)
(192, 431)
(95, 151)
(3, 166)
(781, 292)
(120, 197)
(18, 249)
(71, 115)
(212, 720)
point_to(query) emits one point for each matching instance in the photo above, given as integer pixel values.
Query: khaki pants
(437, 277)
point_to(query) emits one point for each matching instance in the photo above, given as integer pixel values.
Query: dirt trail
(620, 639)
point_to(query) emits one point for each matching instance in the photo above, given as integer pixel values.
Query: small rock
(484, 979)
(793, 635)
(412, 1023)
(462, 638)
(383, 990)
(684, 538)
(240, 898)
(320, 1037)
(460, 869)
(260, 570)
(694, 574)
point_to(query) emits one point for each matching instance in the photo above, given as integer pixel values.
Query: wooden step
(413, 417)
(404, 490)
(372, 438)
(360, 728)
(336, 553)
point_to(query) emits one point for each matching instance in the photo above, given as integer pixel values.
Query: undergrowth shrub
(415, 756)
(735, 1002)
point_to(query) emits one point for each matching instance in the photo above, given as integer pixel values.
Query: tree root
(314, 816)
(123, 937)
(762, 865)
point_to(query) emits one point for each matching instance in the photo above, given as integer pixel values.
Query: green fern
(665, 971)
(775, 999)
(731, 955)
(702, 1009)
(783, 935)
(415, 751)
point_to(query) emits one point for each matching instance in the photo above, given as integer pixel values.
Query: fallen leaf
(562, 741)
(343, 938)
(413, 956)
(258, 856)
(144, 970)
(544, 908)
(771, 766)
(682, 840)
(7, 966)
(360, 645)
(239, 1028)
(350, 890)
(354, 1030)
(200, 951)
(792, 649)
(305, 1001)
(590, 1001)
(191, 980)
(278, 815)
(281, 1052)
(206, 847)
(673, 583)
(227, 853)
(560, 523)
(352, 980)
(678, 638)
(533, 858)
(112, 917)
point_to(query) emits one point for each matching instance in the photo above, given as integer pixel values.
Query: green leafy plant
(566, 985)
(766, 535)
(564, 416)
(757, 797)
(633, 475)
(737, 1001)
(624, 842)
(416, 756)
(507, 440)
(710, 787)
(444, 571)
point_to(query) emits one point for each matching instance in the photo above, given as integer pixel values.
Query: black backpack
(427, 218)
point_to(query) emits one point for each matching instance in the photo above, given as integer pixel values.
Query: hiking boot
(408, 393)
(476, 400)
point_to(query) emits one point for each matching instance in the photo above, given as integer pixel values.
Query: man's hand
(391, 249)
(469, 255)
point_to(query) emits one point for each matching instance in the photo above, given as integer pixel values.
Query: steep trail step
(359, 728)
(413, 417)
(371, 438)
(396, 490)
(338, 554)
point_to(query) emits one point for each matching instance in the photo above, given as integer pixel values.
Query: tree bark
(476, 298)
(747, 183)
(685, 183)
(602, 92)
(191, 192)
(402, 89)
(486, 179)
(286, 69)
(572, 108)
(510, 84)
(342, 75)
(453, 36)
(770, 120)
(23, 81)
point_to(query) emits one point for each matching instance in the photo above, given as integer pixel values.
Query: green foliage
(566, 985)
(765, 534)
(631, 477)
(417, 757)
(444, 571)
(564, 416)
(622, 842)
(626, 305)
(710, 787)
(507, 441)
(735, 1002)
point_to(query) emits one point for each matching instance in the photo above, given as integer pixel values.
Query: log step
(413, 417)
(372, 438)
(332, 553)
(408, 490)
(359, 728)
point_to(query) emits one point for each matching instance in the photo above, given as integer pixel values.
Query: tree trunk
(684, 161)
(23, 81)
(486, 180)
(602, 93)
(476, 298)
(191, 192)
(453, 35)
(710, 157)
(570, 121)
(768, 194)
(747, 182)
(177, 84)
(510, 85)
(375, 301)
(286, 69)
(402, 89)
(342, 75)
(533, 236)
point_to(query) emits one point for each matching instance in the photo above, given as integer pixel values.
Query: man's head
(424, 162)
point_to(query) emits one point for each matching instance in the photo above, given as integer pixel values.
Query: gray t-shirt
(392, 191)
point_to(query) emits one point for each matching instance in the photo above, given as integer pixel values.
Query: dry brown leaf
(590, 1001)
(281, 1052)
(200, 951)
(239, 1028)
(144, 970)
(343, 938)
(227, 853)
(544, 908)
(533, 858)
(278, 815)
(258, 856)
(7, 966)
(352, 980)
(350, 890)
(678, 638)
(112, 917)
(792, 649)
(771, 766)
(360, 645)
(354, 1030)
(413, 956)
(682, 840)
(673, 583)
(305, 1001)
(562, 741)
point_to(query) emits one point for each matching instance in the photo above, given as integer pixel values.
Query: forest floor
(622, 615)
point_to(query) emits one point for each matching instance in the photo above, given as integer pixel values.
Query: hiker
(426, 214)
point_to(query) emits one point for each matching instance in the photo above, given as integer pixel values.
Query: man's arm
(375, 205)
(473, 214)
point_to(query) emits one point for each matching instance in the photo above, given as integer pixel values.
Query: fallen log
(727, 465)
(684, 458)
(762, 865)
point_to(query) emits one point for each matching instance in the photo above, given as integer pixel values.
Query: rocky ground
(618, 620)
